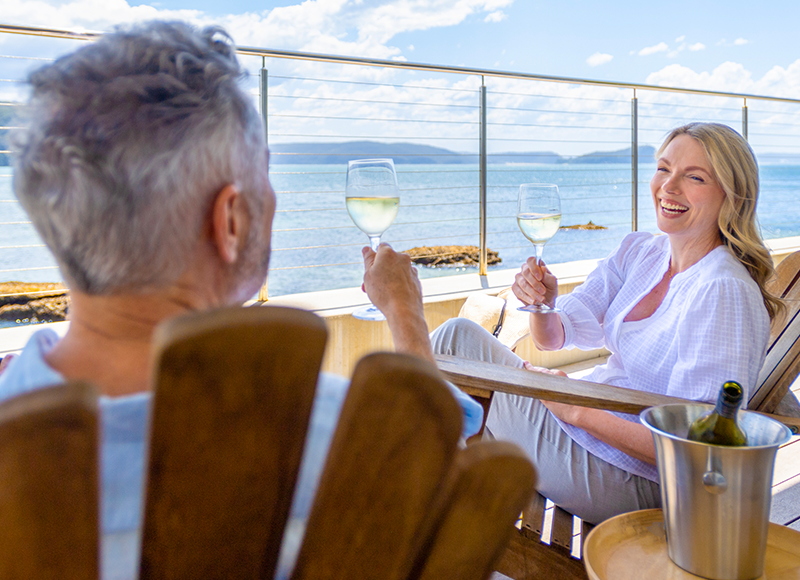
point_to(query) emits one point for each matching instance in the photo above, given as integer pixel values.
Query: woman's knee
(457, 335)
(466, 339)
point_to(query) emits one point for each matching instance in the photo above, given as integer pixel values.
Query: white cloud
(740, 41)
(732, 77)
(598, 58)
(677, 51)
(328, 26)
(680, 39)
(660, 47)
(496, 16)
(697, 46)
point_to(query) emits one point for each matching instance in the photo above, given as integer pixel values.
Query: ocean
(317, 247)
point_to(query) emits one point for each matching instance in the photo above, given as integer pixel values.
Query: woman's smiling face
(686, 194)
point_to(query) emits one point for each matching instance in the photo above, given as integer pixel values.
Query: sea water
(316, 246)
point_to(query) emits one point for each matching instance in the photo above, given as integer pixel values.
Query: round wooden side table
(634, 545)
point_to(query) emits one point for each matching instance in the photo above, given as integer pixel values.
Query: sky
(704, 44)
(733, 46)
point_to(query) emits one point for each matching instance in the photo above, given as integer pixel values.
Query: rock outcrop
(443, 256)
(32, 302)
(589, 226)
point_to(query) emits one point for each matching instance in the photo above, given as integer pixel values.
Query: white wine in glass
(538, 217)
(373, 199)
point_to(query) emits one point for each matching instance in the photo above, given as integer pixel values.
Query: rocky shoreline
(32, 303)
(442, 256)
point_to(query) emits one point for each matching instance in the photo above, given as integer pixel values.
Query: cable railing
(463, 140)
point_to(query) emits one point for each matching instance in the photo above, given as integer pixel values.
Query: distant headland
(334, 153)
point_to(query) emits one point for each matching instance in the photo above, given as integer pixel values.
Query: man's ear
(229, 223)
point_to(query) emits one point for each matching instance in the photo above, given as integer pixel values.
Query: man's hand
(4, 362)
(392, 284)
(535, 284)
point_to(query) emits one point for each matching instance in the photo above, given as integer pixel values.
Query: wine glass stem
(539, 249)
(374, 242)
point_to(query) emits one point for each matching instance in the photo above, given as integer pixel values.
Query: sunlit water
(316, 246)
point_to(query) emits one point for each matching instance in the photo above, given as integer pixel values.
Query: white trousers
(574, 479)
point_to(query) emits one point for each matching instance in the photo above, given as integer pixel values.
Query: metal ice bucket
(716, 498)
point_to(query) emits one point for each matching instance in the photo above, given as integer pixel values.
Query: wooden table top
(633, 546)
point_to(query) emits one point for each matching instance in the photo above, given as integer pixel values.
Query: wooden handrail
(482, 378)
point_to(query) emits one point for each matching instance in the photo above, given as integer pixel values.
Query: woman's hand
(631, 438)
(567, 413)
(535, 284)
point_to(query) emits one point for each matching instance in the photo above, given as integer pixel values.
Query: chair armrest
(482, 379)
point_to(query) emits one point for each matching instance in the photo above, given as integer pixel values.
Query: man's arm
(391, 282)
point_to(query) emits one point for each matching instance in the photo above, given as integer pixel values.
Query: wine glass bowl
(538, 218)
(372, 198)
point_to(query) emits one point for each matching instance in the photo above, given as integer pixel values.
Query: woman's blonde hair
(736, 171)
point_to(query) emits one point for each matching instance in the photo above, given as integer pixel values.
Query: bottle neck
(730, 398)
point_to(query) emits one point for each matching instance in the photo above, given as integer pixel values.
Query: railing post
(263, 295)
(634, 163)
(744, 120)
(483, 261)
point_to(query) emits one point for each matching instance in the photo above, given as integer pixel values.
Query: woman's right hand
(535, 284)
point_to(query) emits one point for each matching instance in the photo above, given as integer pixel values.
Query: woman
(680, 313)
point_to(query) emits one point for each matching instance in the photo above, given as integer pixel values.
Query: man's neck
(109, 339)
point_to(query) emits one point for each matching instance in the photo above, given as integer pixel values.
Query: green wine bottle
(719, 426)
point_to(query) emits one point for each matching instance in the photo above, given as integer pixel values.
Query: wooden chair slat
(533, 514)
(49, 484)
(790, 293)
(781, 365)
(586, 527)
(389, 457)
(786, 275)
(492, 481)
(562, 528)
(529, 559)
(233, 395)
(790, 368)
(781, 357)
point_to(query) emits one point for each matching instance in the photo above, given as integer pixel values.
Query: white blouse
(711, 327)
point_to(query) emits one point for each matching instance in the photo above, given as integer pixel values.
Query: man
(144, 169)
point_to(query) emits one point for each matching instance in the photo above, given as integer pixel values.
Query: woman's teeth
(673, 208)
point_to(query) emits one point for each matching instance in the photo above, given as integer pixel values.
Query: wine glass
(538, 216)
(372, 198)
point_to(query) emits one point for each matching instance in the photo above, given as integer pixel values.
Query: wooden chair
(232, 399)
(48, 484)
(231, 403)
(527, 556)
(398, 499)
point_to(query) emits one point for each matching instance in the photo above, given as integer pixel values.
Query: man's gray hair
(128, 141)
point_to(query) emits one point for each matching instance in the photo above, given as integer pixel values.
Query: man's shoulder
(29, 371)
